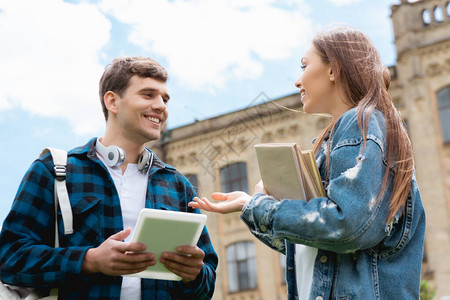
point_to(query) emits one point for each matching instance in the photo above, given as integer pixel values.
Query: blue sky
(220, 55)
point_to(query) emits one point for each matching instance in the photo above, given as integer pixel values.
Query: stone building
(421, 89)
(217, 154)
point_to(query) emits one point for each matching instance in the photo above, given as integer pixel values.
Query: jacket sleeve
(348, 219)
(27, 254)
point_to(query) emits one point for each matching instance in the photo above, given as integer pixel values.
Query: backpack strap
(61, 195)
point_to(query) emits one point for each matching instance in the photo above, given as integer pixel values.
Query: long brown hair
(363, 80)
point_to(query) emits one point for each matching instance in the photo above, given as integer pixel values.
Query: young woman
(364, 240)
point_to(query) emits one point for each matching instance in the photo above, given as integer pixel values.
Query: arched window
(241, 266)
(426, 17)
(443, 97)
(233, 177)
(438, 14)
(193, 179)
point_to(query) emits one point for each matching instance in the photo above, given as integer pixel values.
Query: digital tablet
(163, 230)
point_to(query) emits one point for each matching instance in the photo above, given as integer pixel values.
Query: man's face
(142, 110)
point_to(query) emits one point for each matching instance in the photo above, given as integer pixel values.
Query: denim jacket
(360, 254)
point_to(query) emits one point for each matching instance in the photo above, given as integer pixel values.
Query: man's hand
(187, 265)
(115, 257)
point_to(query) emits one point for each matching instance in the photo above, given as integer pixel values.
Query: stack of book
(288, 172)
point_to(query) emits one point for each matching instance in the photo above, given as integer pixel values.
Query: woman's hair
(117, 75)
(363, 80)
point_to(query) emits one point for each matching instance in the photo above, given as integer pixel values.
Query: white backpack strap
(61, 194)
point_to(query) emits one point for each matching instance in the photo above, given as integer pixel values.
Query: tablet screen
(162, 230)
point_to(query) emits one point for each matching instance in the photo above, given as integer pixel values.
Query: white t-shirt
(132, 189)
(305, 257)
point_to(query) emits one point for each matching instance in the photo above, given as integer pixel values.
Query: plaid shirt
(27, 255)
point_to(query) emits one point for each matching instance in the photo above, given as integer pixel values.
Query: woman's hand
(230, 202)
(259, 188)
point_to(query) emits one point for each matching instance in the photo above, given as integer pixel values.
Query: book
(288, 172)
(314, 181)
(163, 230)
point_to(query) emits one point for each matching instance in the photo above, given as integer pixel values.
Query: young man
(106, 195)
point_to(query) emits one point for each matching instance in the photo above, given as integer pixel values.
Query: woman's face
(316, 83)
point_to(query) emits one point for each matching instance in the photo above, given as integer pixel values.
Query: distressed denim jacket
(360, 254)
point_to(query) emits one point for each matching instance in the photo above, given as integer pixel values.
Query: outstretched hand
(229, 202)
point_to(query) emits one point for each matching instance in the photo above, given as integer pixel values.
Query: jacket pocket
(399, 232)
(86, 221)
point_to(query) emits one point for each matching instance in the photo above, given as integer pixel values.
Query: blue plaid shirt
(27, 255)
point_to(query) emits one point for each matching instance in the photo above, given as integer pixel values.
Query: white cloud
(343, 2)
(208, 42)
(4, 104)
(50, 49)
(49, 59)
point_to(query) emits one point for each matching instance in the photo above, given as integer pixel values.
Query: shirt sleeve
(348, 219)
(27, 254)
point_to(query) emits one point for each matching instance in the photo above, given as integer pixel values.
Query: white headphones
(114, 156)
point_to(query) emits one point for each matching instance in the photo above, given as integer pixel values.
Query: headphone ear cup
(145, 160)
(115, 156)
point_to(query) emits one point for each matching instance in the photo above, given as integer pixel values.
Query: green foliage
(426, 290)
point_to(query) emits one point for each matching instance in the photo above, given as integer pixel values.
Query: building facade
(217, 154)
(421, 90)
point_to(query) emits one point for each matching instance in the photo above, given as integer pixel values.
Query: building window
(234, 178)
(447, 8)
(426, 17)
(241, 266)
(443, 97)
(193, 179)
(438, 14)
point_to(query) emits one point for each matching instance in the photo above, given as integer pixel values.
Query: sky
(220, 55)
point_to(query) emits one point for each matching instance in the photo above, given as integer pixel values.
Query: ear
(330, 72)
(110, 98)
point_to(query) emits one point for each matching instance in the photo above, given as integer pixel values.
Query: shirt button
(323, 259)
(263, 228)
(319, 298)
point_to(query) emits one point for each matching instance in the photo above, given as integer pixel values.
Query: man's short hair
(116, 76)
